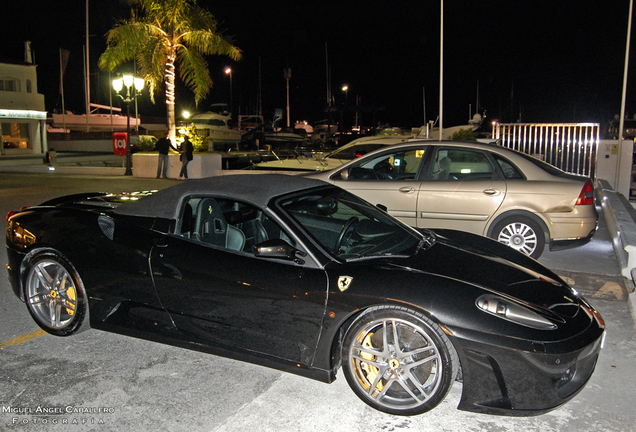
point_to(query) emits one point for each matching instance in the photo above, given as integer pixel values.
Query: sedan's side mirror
(344, 174)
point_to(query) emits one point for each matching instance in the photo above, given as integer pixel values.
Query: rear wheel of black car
(399, 361)
(522, 234)
(55, 294)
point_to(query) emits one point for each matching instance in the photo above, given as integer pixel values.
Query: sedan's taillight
(586, 197)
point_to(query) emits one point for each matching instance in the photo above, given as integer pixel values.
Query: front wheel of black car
(55, 294)
(399, 361)
(522, 234)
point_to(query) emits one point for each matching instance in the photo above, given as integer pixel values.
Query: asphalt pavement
(106, 382)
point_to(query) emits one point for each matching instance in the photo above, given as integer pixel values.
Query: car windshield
(349, 228)
(350, 152)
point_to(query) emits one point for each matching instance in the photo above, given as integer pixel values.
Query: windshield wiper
(379, 255)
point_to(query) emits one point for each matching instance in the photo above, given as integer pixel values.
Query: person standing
(186, 156)
(163, 146)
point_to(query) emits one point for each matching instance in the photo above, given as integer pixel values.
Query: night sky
(534, 61)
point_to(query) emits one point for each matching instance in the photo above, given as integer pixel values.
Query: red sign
(120, 143)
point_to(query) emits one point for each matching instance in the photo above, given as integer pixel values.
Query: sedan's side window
(402, 165)
(227, 223)
(461, 164)
(509, 170)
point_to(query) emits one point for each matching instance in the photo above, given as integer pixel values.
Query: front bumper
(512, 382)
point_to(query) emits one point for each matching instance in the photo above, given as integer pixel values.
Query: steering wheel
(346, 229)
(382, 171)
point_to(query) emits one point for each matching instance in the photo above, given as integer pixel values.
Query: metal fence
(572, 147)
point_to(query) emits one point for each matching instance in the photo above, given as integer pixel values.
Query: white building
(22, 113)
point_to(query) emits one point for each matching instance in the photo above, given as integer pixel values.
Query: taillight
(586, 197)
(12, 212)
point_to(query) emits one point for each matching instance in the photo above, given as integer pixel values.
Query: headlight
(513, 312)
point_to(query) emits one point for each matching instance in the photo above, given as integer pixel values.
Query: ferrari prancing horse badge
(344, 282)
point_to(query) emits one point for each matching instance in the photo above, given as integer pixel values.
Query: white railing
(572, 147)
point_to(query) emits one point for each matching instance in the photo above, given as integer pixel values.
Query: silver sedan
(480, 188)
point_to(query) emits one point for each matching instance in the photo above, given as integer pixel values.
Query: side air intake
(107, 225)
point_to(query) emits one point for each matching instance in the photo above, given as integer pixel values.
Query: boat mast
(441, 70)
(88, 73)
(328, 76)
(62, 68)
(259, 99)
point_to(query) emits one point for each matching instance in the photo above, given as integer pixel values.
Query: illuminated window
(15, 135)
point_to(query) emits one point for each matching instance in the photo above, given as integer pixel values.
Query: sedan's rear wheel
(398, 361)
(54, 294)
(522, 234)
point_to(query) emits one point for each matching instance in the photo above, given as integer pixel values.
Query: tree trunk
(170, 97)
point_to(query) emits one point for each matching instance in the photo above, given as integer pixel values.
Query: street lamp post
(137, 84)
(228, 71)
(345, 89)
(287, 75)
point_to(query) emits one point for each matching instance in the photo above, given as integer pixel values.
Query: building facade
(22, 112)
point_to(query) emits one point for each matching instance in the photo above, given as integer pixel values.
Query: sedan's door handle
(407, 189)
(492, 192)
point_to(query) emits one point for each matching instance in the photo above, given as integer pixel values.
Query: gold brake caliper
(371, 371)
(70, 307)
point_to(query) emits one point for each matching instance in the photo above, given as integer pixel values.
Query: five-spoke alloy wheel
(399, 361)
(55, 294)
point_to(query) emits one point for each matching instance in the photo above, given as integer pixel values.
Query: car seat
(444, 166)
(211, 227)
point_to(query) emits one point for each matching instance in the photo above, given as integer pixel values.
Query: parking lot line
(21, 339)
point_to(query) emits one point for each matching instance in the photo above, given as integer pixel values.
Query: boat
(316, 161)
(428, 132)
(96, 122)
(216, 127)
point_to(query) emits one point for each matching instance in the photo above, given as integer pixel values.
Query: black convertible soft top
(255, 188)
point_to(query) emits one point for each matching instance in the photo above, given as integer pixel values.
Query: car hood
(491, 266)
(299, 164)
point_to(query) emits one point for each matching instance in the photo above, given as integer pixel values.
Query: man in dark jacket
(163, 146)
(186, 156)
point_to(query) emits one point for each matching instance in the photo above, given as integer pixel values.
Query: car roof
(489, 146)
(531, 169)
(255, 188)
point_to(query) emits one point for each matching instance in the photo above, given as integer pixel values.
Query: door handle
(406, 189)
(492, 192)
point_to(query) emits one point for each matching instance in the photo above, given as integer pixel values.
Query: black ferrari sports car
(299, 275)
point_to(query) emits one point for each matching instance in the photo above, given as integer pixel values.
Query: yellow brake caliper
(371, 371)
(70, 307)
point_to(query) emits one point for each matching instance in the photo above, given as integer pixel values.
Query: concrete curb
(62, 169)
(620, 219)
(620, 222)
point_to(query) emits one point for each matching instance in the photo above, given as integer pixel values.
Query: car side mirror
(382, 207)
(344, 174)
(278, 248)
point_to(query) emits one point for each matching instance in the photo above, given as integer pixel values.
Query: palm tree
(162, 35)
